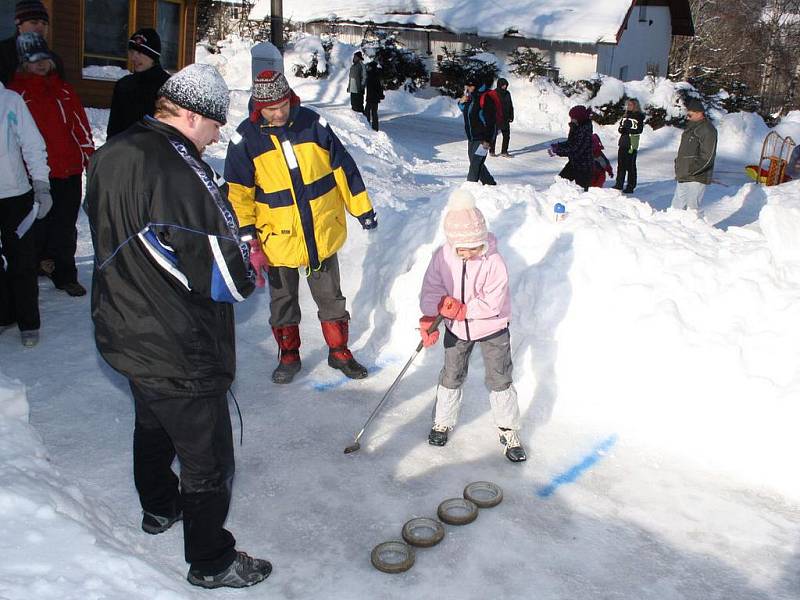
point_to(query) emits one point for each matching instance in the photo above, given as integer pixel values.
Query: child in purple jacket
(467, 283)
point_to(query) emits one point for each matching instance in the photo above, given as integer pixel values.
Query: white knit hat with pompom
(464, 224)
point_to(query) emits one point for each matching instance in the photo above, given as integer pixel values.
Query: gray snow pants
(284, 304)
(496, 353)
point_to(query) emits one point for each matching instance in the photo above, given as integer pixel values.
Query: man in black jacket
(504, 122)
(694, 165)
(630, 129)
(135, 94)
(374, 90)
(29, 16)
(479, 124)
(169, 264)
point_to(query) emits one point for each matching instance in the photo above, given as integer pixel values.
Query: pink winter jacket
(480, 282)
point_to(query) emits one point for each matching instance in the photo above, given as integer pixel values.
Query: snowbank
(780, 222)
(57, 542)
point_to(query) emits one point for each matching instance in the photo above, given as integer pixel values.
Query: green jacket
(696, 154)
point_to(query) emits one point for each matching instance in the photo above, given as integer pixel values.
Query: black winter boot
(155, 524)
(438, 435)
(285, 371)
(288, 339)
(244, 571)
(512, 446)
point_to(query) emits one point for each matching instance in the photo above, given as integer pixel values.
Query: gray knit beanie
(199, 88)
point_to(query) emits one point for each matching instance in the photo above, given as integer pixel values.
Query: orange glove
(450, 308)
(428, 339)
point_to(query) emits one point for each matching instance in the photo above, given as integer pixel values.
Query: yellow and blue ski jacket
(290, 185)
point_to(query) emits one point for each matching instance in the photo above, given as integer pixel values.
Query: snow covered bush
(529, 63)
(314, 54)
(401, 66)
(457, 67)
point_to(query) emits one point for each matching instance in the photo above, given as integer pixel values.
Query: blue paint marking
(324, 386)
(576, 471)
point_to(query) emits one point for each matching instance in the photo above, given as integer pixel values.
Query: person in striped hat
(135, 94)
(30, 16)
(290, 182)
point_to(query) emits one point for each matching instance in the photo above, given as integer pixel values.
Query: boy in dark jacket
(374, 93)
(694, 164)
(479, 124)
(578, 148)
(630, 128)
(505, 117)
(135, 94)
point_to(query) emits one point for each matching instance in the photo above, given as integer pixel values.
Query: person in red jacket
(62, 121)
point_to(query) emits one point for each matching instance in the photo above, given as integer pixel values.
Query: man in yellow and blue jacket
(290, 181)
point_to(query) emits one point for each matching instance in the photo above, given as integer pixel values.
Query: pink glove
(258, 261)
(428, 339)
(450, 308)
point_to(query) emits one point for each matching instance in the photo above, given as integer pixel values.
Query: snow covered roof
(587, 21)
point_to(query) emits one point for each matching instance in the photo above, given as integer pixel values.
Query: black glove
(368, 220)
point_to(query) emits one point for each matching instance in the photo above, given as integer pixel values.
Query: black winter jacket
(696, 154)
(507, 105)
(374, 87)
(578, 147)
(631, 124)
(9, 60)
(479, 123)
(168, 262)
(134, 97)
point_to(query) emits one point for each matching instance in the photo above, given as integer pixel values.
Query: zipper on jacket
(463, 279)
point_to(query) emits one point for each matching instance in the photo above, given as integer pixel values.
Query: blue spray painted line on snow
(576, 471)
(324, 386)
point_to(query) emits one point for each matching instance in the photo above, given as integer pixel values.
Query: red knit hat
(580, 113)
(270, 88)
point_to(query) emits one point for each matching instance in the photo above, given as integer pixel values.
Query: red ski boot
(339, 357)
(288, 339)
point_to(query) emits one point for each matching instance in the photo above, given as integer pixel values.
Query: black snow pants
(477, 165)
(371, 112)
(56, 235)
(580, 176)
(19, 289)
(196, 428)
(626, 164)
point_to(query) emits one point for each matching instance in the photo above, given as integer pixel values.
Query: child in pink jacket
(467, 283)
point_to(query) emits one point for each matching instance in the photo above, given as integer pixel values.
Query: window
(105, 32)
(170, 28)
(623, 73)
(7, 27)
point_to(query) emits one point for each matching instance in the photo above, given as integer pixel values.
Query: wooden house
(94, 33)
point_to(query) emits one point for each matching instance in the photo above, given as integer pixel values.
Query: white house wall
(643, 47)
(574, 65)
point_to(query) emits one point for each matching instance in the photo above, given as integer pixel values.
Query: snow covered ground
(655, 359)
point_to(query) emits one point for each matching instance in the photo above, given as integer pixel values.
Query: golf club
(355, 445)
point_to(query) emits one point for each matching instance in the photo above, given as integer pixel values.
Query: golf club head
(353, 448)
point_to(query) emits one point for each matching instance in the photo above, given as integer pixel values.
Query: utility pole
(276, 24)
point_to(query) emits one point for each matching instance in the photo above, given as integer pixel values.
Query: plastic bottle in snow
(559, 212)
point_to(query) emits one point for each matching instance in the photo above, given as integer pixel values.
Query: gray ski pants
(689, 195)
(496, 353)
(284, 282)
